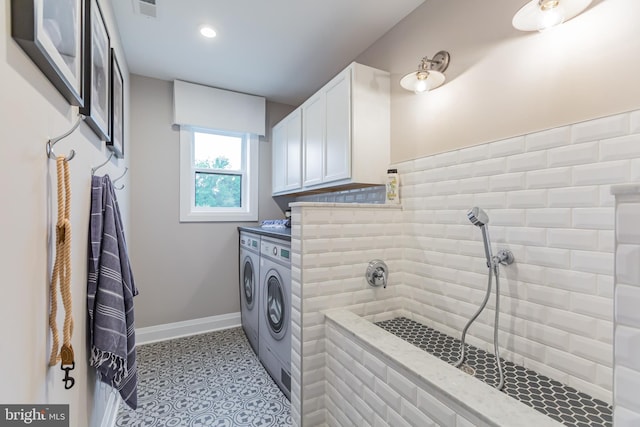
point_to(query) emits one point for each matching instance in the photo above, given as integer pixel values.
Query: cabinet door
(313, 139)
(338, 128)
(293, 178)
(278, 157)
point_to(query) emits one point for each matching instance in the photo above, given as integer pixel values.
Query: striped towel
(110, 292)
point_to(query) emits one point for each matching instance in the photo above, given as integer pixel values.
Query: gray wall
(31, 112)
(184, 271)
(502, 82)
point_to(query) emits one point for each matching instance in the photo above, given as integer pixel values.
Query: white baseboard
(186, 328)
(106, 401)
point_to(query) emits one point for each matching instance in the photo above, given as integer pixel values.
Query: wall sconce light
(429, 74)
(541, 15)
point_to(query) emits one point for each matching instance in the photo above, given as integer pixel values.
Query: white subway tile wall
(627, 301)
(548, 197)
(364, 390)
(332, 245)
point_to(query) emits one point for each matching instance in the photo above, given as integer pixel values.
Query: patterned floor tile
(206, 380)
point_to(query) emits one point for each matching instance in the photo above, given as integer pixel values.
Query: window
(218, 175)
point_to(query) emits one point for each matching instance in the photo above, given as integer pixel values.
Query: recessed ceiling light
(207, 32)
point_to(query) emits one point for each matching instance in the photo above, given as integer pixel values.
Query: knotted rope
(62, 269)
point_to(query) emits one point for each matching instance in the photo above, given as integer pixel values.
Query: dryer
(275, 311)
(250, 287)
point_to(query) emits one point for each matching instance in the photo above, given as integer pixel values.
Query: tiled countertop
(625, 189)
(345, 205)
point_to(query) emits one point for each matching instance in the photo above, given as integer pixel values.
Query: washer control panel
(281, 252)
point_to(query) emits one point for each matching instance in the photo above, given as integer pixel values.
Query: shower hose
(493, 270)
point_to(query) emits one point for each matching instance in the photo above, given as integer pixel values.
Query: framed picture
(97, 73)
(117, 108)
(52, 33)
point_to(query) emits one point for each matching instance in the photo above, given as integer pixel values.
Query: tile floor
(212, 379)
(556, 400)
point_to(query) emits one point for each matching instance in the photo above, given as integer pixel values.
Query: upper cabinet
(345, 134)
(287, 154)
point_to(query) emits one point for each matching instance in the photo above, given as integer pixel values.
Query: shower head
(480, 218)
(477, 216)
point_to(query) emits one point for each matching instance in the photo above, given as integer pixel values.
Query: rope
(62, 269)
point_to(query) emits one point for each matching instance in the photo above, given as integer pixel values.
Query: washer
(275, 311)
(250, 287)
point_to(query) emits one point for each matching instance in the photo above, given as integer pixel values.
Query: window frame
(248, 211)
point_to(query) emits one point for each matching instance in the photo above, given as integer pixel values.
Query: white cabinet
(313, 137)
(345, 133)
(337, 151)
(287, 154)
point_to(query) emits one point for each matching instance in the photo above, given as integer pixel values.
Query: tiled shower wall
(627, 304)
(331, 246)
(548, 198)
(549, 202)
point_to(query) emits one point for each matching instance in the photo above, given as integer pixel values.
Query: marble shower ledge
(480, 399)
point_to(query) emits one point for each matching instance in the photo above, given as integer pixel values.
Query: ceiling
(283, 50)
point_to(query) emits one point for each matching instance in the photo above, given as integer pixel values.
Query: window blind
(212, 108)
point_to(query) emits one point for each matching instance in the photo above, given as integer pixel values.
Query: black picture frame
(97, 73)
(116, 144)
(53, 34)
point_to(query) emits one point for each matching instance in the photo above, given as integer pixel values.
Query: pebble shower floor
(212, 379)
(554, 399)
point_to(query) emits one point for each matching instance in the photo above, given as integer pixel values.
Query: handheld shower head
(477, 216)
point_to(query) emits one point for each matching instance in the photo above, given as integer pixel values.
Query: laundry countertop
(277, 233)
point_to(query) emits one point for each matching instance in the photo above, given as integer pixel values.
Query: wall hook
(53, 141)
(93, 170)
(119, 178)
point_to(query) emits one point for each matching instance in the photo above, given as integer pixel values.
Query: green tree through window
(218, 175)
(215, 188)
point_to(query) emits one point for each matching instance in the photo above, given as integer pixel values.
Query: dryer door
(248, 282)
(276, 307)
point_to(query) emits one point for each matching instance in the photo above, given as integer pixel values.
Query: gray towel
(110, 292)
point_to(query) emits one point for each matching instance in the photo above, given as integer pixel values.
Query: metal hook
(53, 141)
(119, 178)
(69, 381)
(93, 170)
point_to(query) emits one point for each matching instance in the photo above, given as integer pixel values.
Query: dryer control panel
(249, 241)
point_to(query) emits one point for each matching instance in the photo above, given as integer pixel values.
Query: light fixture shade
(413, 83)
(533, 17)
(429, 74)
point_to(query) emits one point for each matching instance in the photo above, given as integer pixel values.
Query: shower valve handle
(504, 257)
(377, 273)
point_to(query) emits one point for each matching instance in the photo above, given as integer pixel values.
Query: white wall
(502, 82)
(184, 271)
(31, 112)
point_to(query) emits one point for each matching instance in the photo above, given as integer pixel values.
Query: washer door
(248, 282)
(276, 308)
